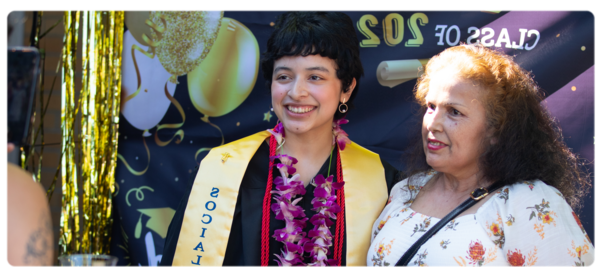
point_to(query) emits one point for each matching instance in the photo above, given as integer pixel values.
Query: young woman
(302, 193)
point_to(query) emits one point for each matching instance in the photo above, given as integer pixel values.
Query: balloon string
(176, 125)
(205, 119)
(137, 70)
(138, 173)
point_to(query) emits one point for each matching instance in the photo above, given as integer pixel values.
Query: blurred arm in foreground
(29, 222)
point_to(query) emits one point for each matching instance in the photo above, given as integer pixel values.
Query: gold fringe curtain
(92, 151)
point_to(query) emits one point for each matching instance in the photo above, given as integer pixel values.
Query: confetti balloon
(227, 75)
(183, 39)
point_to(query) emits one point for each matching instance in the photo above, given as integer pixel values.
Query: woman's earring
(345, 109)
(271, 108)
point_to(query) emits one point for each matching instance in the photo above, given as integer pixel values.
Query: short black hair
(328, 34)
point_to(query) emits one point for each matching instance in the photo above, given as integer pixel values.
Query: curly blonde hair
(528, 143)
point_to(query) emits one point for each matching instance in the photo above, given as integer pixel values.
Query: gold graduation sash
(209, 213)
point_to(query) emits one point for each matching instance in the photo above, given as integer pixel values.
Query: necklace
(326, 203)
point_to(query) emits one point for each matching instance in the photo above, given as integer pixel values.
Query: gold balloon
(186, 40)
(136, 24)
(227, 75)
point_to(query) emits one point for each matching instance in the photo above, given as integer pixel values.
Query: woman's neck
(310, 146)
(310, 149)
(466, 183)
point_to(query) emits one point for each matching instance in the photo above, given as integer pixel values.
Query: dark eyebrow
(318, 68)
(315, 68)
(279, 68)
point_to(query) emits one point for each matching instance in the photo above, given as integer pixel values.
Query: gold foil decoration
(69, 240)
(99, 101)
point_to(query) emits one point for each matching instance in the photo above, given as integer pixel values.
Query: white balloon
(148, 107)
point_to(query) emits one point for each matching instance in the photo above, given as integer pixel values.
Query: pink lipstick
(435, 145)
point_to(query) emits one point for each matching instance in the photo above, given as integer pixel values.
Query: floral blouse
(523, 224)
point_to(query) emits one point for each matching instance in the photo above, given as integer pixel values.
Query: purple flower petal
(321, 192)
(280, 235)
(279, 129)
(288, 160)
(319, 180)
(329, 179)
(332, 262)
(337, 185)
(317, 204)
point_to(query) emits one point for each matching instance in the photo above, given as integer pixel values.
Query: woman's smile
(300, 109)
(435, 145)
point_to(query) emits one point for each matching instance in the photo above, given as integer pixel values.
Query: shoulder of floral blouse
(528, 191)
(519, 196)
(402, 190)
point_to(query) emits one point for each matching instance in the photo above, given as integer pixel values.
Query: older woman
(483, 123)
(295, 195)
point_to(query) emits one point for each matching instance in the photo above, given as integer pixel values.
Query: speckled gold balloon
(186, 40)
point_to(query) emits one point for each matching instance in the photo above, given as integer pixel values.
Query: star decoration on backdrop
(267, 116)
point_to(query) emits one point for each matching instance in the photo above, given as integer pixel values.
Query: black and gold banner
(192, 81)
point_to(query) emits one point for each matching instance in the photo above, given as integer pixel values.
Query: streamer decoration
(99, 101)
(69, 219)
(133, 171)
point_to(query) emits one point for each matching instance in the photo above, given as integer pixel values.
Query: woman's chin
(295, 127)
(436, 165)
(299, 127)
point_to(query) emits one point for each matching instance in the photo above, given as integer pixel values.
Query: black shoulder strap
(476, 196)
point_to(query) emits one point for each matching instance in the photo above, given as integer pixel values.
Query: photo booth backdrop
(192, 81)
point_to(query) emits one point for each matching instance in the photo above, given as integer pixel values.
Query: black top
(243, 247)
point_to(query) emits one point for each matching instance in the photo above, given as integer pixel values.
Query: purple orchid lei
(288, 186)
(339, 135)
